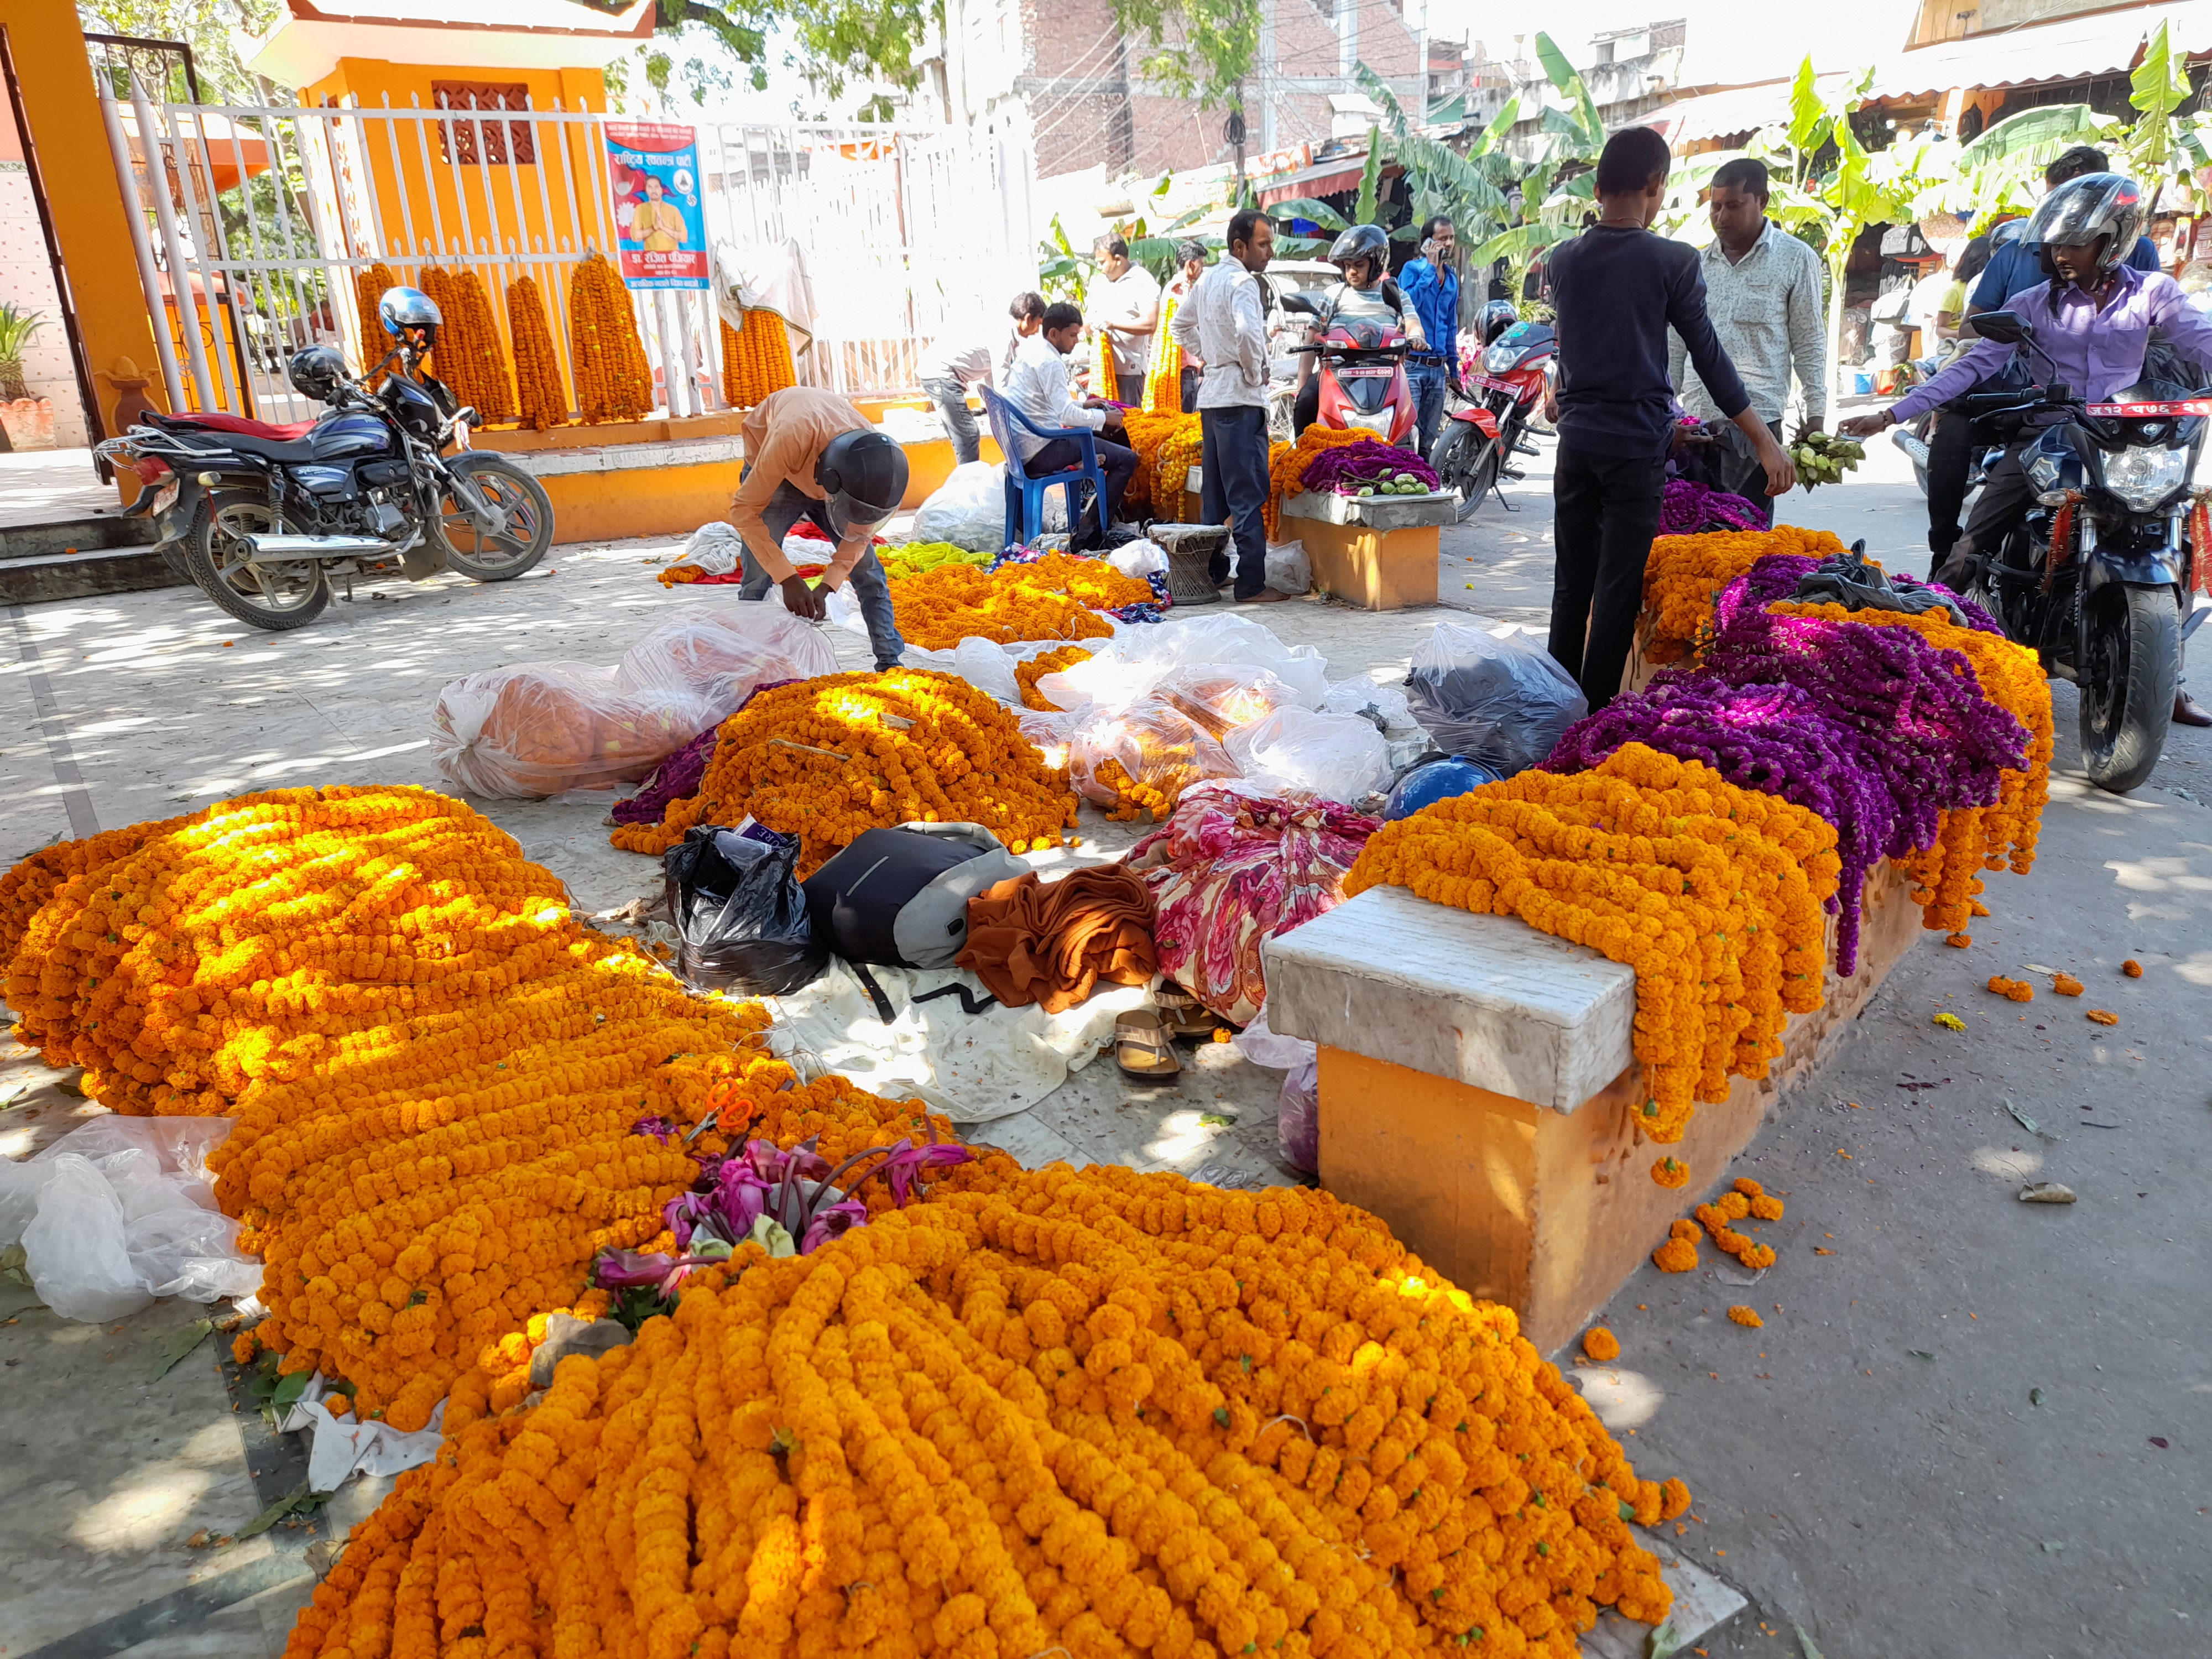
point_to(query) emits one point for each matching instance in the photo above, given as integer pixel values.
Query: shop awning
(2069, 49)
(1338, 172)
(1726, 112)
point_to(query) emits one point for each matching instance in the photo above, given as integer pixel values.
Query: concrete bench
(1479, 1091)
(1378, 552)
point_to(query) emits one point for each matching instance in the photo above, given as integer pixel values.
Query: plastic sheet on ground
(968, 509)
(340, 1448)
(536, 729)
(1131, 664)
(1295, 750)
(984, 663)
(121, 1211)
(1297, 1107)
(972, 1067)
(722, 652)
(1221, 699)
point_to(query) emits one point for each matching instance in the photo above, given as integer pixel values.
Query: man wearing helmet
(811, 454)
(1366, 294)
(2093, 321)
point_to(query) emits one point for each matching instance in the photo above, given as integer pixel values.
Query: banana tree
(1548, 211)
(2165, 149)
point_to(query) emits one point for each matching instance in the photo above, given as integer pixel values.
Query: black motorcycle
(264, 516)
(2095, 577)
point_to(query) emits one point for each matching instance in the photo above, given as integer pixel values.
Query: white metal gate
(247, 249)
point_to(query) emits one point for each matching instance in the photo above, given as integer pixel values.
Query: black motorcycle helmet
(1362, 242)
(864, 472)
(319, 371)
(410, 314)
(1494, 318)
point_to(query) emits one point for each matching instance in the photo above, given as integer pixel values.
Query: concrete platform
(1480, 1091)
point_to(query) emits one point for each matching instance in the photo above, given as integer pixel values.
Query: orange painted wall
(86, 198)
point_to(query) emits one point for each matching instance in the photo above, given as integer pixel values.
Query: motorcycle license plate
(165, 499)
(1489, 384)
(2151, 411)
(1368, 373)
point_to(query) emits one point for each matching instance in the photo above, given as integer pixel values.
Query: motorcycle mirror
(2005, 327)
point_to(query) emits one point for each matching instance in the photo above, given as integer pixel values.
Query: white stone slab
(628, 458)
(1374, 512)
(1486, 1000)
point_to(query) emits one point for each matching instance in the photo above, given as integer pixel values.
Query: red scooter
(1361, 376)
(1518, 359)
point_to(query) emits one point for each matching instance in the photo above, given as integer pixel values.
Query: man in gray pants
(960, 359)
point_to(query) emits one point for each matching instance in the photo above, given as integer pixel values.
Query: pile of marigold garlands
(1699, 829)
(828, 757)
(1095, 1411)
(1057, 597)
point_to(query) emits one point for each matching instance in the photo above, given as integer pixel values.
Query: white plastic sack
(722, 652)
(715, 547)
(968, 509)
(536, 729)
(1488, 694)
(1159, 748)
(1363, 697)
(339, 1447)
(1133, 663)
(1138, 559)
(1337, 757)
(1298, 1107)
(1289, 569)
(121, 1211)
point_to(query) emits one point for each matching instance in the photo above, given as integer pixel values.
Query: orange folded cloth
(1050, 943)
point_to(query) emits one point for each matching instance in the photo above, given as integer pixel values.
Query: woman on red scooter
(1366, 294)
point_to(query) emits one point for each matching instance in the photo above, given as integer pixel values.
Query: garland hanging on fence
(470, 358)
(612, 380)
(544, 399)
(368, 287)
(756, 360)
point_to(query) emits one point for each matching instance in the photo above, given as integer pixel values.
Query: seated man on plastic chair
(1038, 387)
(811, 454)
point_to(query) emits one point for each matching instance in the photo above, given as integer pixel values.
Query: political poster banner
(653, 169)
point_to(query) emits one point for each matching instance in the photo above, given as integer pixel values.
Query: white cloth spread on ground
(972, 1067)
(342, 1449)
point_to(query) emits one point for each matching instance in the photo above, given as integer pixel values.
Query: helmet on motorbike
(1361, 242)
(2081, 210)
(1494, 318)
(404, 308)
(865, 473)
(319, 371)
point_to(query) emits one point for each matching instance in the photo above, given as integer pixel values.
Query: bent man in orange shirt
(811, 454)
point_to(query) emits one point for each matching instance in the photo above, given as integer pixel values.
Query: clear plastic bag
(722, 653)
(1222, 699)
(1289, 569)
(1133, 663)
(122, 1210)
(1160, 752)
(1491, 696)
(1383, 706)
(1298, 751)
(534, 730)
(1138, 559)
(968, 509)
(1297, 1107)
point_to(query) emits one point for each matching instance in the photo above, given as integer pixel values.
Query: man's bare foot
(1264, 596)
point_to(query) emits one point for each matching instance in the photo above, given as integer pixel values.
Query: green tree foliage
(1201, 49)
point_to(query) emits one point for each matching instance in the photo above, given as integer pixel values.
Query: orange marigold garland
(828, 757)
(1685, 575)
(1148, 431)
(1057, 597)
(1164, 375)
(756, 360)
(1027, 674)
(613, 382)
(1711, 892)
(542, 399)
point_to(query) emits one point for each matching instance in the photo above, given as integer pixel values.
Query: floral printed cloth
(1228, 871)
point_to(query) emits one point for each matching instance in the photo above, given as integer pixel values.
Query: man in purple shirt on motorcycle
(2092, 322)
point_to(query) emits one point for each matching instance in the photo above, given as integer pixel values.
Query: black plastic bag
(1491, 698)
(740, 913)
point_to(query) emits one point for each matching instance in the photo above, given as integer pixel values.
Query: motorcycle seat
(237, 425)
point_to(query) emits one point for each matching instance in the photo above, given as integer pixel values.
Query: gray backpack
(899, 897)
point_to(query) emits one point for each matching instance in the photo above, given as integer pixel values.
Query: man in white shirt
(1224, 325)
(967, 356)
(1127, 304)
(1037, 385)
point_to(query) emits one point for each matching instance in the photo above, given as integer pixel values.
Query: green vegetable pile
(1824, 458)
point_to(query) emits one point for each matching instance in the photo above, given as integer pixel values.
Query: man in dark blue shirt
(1432, 285)
(1617, 289)
(2016, 267)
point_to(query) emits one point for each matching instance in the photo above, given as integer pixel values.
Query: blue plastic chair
(1025, 495)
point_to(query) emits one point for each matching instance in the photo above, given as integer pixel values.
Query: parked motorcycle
(1479, 440)
(265, 515)
(2095, 576)
(1914, 438)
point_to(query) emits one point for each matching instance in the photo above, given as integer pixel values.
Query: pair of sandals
(1144, 1038)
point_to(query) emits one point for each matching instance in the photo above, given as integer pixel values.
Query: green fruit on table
(1367, 490)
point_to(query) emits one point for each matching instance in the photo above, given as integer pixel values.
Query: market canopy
(2069, 49)
(1733, 110)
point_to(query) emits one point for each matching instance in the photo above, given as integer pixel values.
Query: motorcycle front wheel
(1467, 462)
(275, 597)
(525, 529)
(2127, 684)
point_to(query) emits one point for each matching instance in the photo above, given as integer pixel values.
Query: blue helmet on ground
(1432, 782)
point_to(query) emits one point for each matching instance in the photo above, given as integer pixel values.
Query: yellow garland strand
(543, 401)
(368, 287)
(1057, 597)
(1164, 375)
(756, 361)
(613, 382)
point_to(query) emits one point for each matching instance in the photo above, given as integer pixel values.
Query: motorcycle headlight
(2048, 479)
(2143, 478)
(1500, 359)
(1379, 422)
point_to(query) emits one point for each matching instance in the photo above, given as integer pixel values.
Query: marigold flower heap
(1056, 597)
(433, 1067)
(1102, 1412)
(1027, 674)
(828, 757)
(1684, 575)
(1713, 893)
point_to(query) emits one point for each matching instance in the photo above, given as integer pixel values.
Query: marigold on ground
(2015, 990)
(1746, 1315)
(2066, 985)
(2104, 1017)
(1671, 1172)
(1676, 1255)
(2132, 969)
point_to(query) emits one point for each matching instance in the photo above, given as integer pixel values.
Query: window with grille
(501, 141)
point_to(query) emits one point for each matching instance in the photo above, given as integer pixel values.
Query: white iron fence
(248, 247)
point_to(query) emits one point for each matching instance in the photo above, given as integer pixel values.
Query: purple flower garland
(1354, 464)
(1687, 508)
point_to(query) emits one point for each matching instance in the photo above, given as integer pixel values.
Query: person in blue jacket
(2015, 267)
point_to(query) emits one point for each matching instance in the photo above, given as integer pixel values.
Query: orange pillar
(66, 145)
